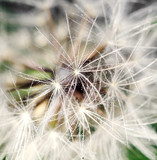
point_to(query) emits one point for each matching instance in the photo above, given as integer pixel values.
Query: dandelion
(90, 93)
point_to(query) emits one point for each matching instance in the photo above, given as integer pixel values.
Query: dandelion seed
(56, 85)
(76, 72)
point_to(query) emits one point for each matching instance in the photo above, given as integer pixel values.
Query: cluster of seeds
(86, 87)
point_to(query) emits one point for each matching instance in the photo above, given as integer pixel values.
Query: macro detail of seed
(78, 80)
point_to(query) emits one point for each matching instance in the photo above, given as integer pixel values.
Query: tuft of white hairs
(118, 106)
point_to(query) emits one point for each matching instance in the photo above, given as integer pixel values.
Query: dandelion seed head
(56, 85)
(76, 72)
(82, 109)
(25, 117)
(113, 85)
(91, 93)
